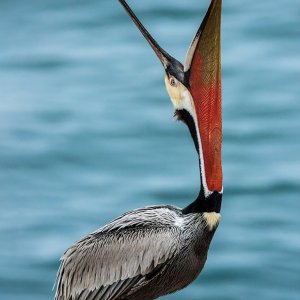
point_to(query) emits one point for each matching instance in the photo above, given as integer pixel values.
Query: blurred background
(86, 133)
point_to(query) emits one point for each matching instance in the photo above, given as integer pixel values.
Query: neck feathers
(203, 204)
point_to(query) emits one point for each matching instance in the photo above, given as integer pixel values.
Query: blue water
(86, 133)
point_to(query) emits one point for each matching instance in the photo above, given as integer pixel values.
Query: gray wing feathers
(111, 292)
(113, 259)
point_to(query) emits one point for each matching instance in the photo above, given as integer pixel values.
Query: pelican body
(153, 251)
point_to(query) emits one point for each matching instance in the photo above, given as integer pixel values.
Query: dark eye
(172, 81)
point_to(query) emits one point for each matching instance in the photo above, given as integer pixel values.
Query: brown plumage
(154, 251)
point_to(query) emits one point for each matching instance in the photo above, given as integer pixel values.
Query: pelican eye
(172, 81)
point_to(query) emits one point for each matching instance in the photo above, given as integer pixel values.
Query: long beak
(166, 59)
(203, 64)
(202, 75)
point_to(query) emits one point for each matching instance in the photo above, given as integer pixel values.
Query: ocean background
(86, 133)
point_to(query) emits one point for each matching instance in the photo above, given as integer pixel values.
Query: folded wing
(116, 259)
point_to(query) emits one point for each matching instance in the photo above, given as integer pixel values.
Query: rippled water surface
(86, 133)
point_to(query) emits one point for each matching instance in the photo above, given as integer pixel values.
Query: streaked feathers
(131, 252)
(129, 247)
(150, 252)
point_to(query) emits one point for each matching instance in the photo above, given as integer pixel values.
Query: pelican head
(195, 91)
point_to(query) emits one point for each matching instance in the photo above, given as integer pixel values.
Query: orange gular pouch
(206, 90)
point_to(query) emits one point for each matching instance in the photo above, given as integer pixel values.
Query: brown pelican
(154, 251)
